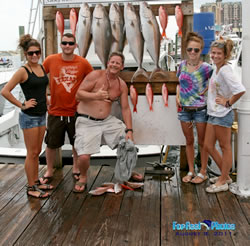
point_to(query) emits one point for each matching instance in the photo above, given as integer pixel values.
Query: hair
(194, 36)
(225, 45)
(69, 35)
(26, 41)
(117, 53)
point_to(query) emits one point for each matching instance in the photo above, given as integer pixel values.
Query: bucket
(203, 23)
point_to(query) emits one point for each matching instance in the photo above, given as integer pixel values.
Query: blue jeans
(225, 121)
(27, 121)
(193, 116)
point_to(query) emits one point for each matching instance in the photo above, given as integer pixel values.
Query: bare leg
(50, 159)
(83, 164)
(201, 130)
(187, 128)
(33, 138)
(75, 168)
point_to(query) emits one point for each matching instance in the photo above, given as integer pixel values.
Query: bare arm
(222, 100)
(17, 78)
(126, 112)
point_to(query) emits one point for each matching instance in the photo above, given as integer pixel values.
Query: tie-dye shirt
(192, 85)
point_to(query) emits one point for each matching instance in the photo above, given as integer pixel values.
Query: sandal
(135, 176)
(76, 176)
(45, 180)
(201, 176)
(213, 180)
(36, 189)
(43, 186)
(214, 188)
(188, 177)
(80, 184)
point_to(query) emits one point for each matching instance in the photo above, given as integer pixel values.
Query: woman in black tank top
(32, 119)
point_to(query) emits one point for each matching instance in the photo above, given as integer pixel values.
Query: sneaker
(214, 189)
(213, 180)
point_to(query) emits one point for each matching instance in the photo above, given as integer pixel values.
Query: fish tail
(151, 108)
(166, 104)
(180, 32)
(164, 34)
(135, 109)
(157, 70)
(139, 71)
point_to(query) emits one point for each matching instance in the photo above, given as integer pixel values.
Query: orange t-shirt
(65, 78)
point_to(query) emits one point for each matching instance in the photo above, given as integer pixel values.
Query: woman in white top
(224, 90)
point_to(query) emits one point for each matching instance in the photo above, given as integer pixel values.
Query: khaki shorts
(90, 134)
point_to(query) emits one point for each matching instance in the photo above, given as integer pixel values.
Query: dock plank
(18, 214)
(85, 222)
(170, 211)
(229, 205)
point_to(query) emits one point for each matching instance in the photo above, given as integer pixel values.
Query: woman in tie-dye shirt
(191, 99)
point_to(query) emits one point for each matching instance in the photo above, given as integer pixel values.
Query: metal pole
(242, 187)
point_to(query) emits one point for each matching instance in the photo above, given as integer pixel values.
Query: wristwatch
(23, 106)
(128, 130)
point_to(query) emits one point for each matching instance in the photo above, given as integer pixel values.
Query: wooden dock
(142, 217)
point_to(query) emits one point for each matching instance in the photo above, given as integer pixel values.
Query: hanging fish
(117, 27)
(134, 37)
(60, 22)
(163, 16)
(152, 36)
(179, 19)
(101, 31)
(133, 97)
(84, 36)
(150, 96)
(73, 20)
(164, 92)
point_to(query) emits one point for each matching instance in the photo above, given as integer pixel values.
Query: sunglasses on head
(66, 42)
(218, 44)
(31, 53)
(196, 50)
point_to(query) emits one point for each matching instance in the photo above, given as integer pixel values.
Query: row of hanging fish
(149, 95)
(108, 31)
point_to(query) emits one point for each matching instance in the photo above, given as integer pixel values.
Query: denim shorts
(225, 121)
(28, 121)
(195, 116)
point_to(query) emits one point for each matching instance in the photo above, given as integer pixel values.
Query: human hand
(102, 94)
(220, 100)
(30, 103)
(129, 135)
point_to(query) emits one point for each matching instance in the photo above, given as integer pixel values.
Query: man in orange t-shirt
(66, 72)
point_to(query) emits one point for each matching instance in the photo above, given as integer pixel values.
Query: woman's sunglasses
(196, 50)
(31, 53)
(69, 43)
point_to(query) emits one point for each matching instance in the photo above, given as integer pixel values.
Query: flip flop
(43, 186)
(201, 176)
(80, 184)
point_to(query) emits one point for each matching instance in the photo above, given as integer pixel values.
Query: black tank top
(35, 87)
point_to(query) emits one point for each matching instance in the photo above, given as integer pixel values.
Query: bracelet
(128, 130)
(23, 106)
(227, 105)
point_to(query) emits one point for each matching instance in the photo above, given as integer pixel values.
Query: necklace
(193, 64)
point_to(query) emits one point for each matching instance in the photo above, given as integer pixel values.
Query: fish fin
(139, 71)
(157, 70)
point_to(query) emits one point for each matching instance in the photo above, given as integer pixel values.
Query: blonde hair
(194, 36)
(225, 45)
